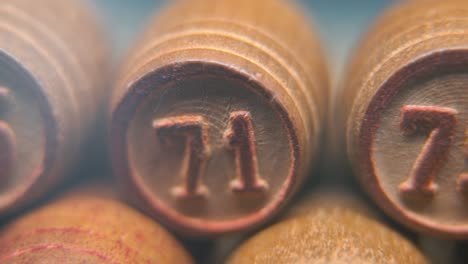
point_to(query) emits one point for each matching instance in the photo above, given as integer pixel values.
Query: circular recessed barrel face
(209, 149)
(26, 130)
(414, 143)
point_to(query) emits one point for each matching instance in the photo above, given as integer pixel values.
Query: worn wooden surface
(88, 225)
(327, 228)
(218, 113)
(52, 67)
(406, 103)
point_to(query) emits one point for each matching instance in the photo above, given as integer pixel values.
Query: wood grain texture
(406, 104)
(52, 65)
(260, 86)
(88, 226)
(327, 228)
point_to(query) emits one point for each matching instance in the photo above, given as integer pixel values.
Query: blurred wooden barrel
(52, 68)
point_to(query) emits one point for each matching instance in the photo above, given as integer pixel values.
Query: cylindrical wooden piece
(52, 62)
(218, 113)
(88, 226)
(327, 228)
(407, 105)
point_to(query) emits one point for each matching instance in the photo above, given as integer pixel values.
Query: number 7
(195, 131)
(440, 122)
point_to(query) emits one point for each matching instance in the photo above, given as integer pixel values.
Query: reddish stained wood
(440, 123)
(240, 137)
(71, 230)
(197, 151)
(53, 247)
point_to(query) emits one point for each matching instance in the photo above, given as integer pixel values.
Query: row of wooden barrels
(215, 121)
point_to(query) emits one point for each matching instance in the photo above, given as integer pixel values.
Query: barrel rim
(422, 65)
(124, 112)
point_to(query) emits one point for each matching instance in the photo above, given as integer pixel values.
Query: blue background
(340, 22)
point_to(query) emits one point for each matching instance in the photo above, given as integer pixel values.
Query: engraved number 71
(239, 137)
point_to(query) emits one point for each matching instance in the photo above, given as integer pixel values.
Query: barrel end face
(212, 133)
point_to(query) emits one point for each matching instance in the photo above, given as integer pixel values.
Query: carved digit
(194, 130)
(241, 139)
(463, 179)
(440, 123)
(7, 137)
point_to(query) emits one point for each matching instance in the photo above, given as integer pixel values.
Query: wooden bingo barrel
(88, 226)
(218, 113)
(52, 63)
(327, 228)
(407, 99)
